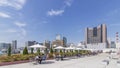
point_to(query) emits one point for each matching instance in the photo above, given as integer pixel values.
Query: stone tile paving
(86, 62)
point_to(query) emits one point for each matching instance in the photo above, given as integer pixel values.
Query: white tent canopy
(37, 46)
(70, 48)
(59, 47)
(78, 48)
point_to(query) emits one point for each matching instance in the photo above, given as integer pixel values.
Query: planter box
(15, 62)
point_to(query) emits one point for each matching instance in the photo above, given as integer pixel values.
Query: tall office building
(30, 43)
(4, 47)
(96, 35)
(14, 46)
(47, 44)
(58, 37)
(59, 41)
(64, 41)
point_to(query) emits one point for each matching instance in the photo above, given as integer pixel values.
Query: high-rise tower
(96, 37)
(96, 34)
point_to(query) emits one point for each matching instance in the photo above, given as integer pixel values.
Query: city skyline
(40, 20)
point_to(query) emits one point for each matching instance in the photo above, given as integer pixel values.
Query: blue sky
(41, 20)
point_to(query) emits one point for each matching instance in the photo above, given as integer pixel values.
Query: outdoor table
(59, 58)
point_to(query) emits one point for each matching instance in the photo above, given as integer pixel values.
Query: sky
(40, 20)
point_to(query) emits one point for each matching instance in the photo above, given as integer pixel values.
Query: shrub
(32, 50)
(25, 51)
(16, 57)
(25, 57)
(51, 50)
(9, 51)
(50, 56)
(38, 50)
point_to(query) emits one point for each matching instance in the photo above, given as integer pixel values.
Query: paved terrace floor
(85, 62)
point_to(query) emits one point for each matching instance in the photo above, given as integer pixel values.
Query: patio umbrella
(59, 47)
(70, 48)
(37, 46)
(78, 48)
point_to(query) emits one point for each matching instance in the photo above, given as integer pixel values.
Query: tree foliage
(38, 50)
(51, 50)
(25, 51)
(9, 51)
(32, 50)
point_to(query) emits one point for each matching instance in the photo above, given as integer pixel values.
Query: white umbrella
(70, 48)
(37, 46)
(59, 47)
(54, 45)
(78, 48)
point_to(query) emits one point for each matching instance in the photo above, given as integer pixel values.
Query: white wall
(96, 46)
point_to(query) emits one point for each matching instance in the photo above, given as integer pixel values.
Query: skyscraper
(4, 46)
(59, 41)
(58, 37)
(14, 46)
(64, 41)
(30, 43)
(47, 44)
(96, 35)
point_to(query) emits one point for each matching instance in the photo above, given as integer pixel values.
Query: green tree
(61, 53)
(51, 50)
(9, 51)
(32, 50)
(38, 50)
(25, 51)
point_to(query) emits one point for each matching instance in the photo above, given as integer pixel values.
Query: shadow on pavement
(47, 62)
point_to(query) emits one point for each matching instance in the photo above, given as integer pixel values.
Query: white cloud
(17, 4)
(113, 13)
(23, 32)
(55, 12)
(4, 15)
(68, 2)
(11, 30)
(115, 24)
(19, 24)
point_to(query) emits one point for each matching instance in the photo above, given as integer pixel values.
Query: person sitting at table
(61, 56)
(43, 57)
(57, 57)
(38, 59)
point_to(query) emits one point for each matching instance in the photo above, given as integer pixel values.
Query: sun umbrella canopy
(70, 48)
(78, 48)
(37, 46)
(54, 45)
(59, 47)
